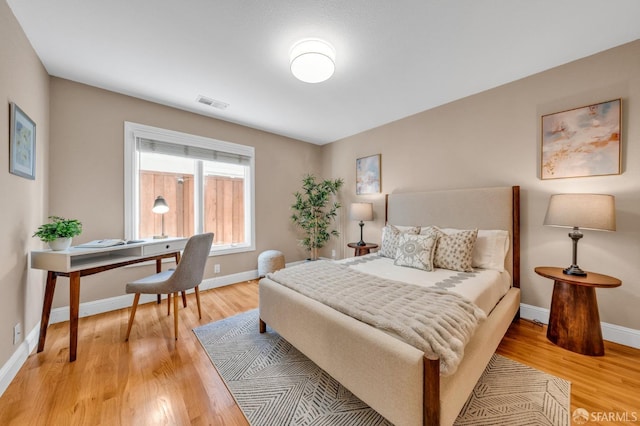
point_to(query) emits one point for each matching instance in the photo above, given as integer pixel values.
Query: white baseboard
(125, 301)
(611, 332)
(10, 369)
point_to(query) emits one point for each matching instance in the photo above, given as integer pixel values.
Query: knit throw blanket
(435, 321)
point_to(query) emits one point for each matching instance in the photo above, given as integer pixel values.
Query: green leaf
(312, 211)
(58, 227)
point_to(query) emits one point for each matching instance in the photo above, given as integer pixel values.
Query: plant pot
(313, 255)
(60, 244)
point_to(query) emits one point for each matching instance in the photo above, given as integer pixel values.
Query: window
(208, 185)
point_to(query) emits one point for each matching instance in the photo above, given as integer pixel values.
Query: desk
(77, 262)
(574, 321)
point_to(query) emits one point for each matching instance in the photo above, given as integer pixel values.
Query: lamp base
(574, 270)
(160, 237)
(361, 242)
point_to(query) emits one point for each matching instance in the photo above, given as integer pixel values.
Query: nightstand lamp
(160, 207)
(581, 211)
(362, 212)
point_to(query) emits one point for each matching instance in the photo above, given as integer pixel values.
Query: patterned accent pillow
(416, 251)
(391, 237)
(455, 251)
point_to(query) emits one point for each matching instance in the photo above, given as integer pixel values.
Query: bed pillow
(454, 251)
(391, 237)
(491, 249)
(416, 251)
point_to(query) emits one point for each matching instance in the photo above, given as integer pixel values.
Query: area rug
(274, 384)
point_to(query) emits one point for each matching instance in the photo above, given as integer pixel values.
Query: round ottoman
(270, 261)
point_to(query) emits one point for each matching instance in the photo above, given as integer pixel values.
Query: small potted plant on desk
(59, 232)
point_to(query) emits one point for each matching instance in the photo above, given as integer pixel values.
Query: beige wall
(23, 80)
(80, 175)
(87, 175)
(493, 138)
(488, 139)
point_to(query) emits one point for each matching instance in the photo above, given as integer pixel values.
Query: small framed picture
(22, 144)
(368, 175)
(581, 142)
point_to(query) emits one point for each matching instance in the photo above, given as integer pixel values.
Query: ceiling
(394, 58)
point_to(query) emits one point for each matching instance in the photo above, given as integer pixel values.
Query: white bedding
(484, 287)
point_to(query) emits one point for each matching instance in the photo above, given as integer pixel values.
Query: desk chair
(188, 274)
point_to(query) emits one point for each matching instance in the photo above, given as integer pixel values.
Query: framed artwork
(22, 144)
(368, 175)
(581, 142)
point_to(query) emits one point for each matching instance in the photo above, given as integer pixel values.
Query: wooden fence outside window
(223, 210)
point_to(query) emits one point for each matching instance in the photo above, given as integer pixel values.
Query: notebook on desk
(110, 242)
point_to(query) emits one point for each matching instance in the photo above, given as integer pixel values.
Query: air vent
(212, 102)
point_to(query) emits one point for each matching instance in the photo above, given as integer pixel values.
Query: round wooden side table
(361, 250)
(574, 321)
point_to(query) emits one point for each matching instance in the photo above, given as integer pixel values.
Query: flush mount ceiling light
(312, 60)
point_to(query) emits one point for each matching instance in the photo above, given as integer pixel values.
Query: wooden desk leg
(574, 321)
(46, 308)
(158, 270)
(74, 310)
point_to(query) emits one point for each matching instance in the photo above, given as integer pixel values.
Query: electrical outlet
(333, 254)
(216, 268)
(17, 332)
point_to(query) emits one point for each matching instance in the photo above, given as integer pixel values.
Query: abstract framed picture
(582, 142)
(368, 175)
(22, 144)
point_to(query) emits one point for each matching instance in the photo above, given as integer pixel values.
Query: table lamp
(160, 207)
(581, 211)
(362, 212)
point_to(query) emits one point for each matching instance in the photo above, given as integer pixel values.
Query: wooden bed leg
(431, 393)
(263, 326)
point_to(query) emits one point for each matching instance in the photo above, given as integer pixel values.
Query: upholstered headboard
(481, 208)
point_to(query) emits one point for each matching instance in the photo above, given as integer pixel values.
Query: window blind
(188, 151)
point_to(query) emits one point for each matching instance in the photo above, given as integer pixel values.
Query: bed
(393, 377)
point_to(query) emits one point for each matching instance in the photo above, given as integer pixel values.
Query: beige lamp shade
(361, 211)
(584, 211)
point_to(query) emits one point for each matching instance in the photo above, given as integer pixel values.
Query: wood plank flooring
(153, 380)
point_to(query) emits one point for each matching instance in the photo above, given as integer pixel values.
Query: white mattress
(484, 287)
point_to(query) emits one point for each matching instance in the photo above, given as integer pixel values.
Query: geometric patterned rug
(510, 393)
(274, 384)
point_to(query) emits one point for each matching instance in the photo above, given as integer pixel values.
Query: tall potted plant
(314, 212)
(59, 232)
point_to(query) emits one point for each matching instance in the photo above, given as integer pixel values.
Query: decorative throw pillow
(416, 251)
(391, 237)
(455, 251)
(490, 249)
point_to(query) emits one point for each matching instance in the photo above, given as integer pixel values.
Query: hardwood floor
(153, 380)
(608, 386)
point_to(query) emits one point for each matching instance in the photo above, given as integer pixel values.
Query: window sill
(219, 251)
